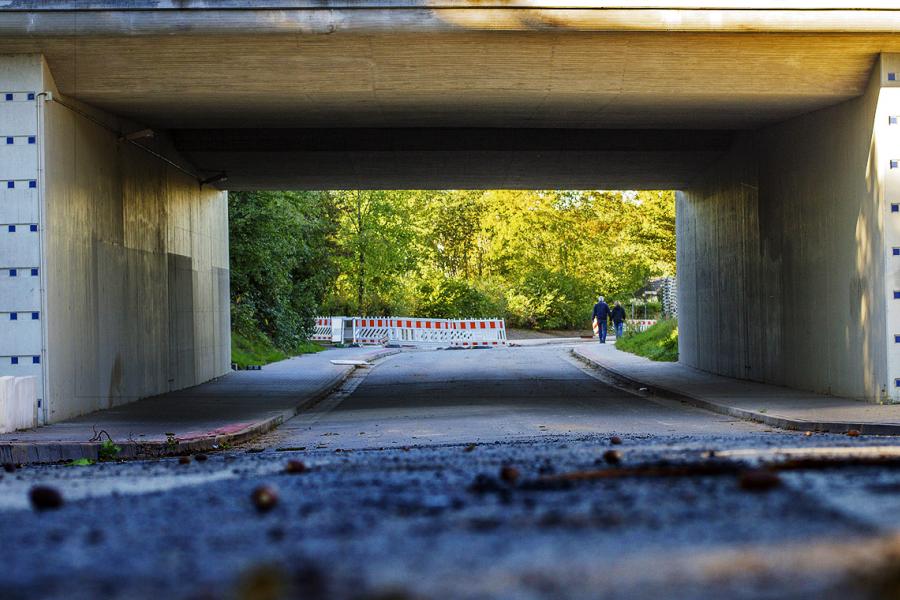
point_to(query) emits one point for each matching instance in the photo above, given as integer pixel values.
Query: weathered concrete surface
(782, 253)
(131, 255)
(421, 523)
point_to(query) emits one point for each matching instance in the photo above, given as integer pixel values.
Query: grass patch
(258, 349)
(659, 342)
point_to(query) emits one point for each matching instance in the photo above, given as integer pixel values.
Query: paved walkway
(230, 409)
(769, 404)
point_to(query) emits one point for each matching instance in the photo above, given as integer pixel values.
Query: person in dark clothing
(618, 318)
(601, 315)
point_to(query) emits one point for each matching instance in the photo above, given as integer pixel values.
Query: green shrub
(659, 342)
(258, 349)
(455, 299)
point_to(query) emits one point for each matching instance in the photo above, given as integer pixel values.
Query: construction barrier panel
(641, 324)
(408, 331)
(322, 330)
(371, 330)
(478, 333)
(412, 331)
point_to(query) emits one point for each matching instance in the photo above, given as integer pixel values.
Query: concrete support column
(22, 315)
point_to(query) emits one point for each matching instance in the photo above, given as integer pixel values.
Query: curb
(525, 343)
(740, 413)
(53, 452)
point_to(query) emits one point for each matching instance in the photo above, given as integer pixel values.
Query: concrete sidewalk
(228, 410)
(772, 405)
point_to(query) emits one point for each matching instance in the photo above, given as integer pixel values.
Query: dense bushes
(281, 266)
(659, 342)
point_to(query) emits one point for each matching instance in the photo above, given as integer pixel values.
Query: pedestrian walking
(618, 318)
(601, 316)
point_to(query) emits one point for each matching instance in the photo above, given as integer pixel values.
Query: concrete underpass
(777, 126)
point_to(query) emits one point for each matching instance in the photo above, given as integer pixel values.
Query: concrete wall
(782, 254)
(134, 265)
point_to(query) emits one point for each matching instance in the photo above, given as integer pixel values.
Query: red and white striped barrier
(322, 330)
(408, 331)
(478, 333)
(412, 331)
(371, 330)
(641, 324)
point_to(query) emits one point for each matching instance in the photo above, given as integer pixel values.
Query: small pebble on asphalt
(612, 457)
(509, 474)
(200, 457)
(43, 497)
(615, 440)
(853, 433)
(264, 498)
(295, 466)
(183, 460)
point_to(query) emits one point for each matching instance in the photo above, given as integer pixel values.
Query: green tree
(282, 262)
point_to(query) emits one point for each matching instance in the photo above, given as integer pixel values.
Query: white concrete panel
(19, 205)
(19, 116)
(21, 336)
(20, 289)
(20, 248)
(19, 158)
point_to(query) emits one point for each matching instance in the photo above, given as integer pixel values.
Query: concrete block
(18, 403)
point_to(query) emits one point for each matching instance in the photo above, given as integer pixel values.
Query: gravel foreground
(451, 522)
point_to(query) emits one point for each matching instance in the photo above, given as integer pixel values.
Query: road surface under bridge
(470, 474)
(125, 123)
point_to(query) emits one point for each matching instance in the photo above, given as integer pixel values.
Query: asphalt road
(404, 497)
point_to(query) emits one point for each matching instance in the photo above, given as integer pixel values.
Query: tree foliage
(537, 258)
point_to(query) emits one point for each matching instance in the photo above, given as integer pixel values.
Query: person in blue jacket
(601, 314)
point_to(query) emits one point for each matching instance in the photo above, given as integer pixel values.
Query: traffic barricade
(371, 330)
(409, 331)
(321, 330)
(478, 333)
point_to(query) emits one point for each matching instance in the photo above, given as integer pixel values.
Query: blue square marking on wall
(35, 316)
(897, 383)
(896, 339)
(32, 227)
(10, 140)
(32, 139)
(10, 185)
(896, 251)
(896, 294)
(895, 164)
(13, 272)
(11, 228)
(31, 95)
(14, 360)
(892, 77)
(9, 97)
(13, 317)
(35, 360)
(892, 120)
(34, 272)
(32, 184)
